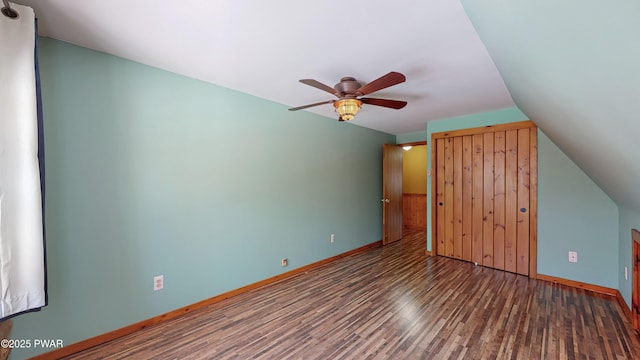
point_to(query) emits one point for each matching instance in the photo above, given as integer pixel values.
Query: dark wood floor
(393, 303)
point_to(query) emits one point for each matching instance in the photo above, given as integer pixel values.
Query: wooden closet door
(485, 203)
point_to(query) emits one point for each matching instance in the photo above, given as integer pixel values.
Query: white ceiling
(263, 48)
(571, 66)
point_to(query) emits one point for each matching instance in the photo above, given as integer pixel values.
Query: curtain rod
(8, 11)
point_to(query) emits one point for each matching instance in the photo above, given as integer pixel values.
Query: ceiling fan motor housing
(347, 86)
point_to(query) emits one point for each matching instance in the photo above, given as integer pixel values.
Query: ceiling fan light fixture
(347, 108)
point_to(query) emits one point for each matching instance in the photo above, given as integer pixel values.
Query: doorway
(414, 187)
(409, 165)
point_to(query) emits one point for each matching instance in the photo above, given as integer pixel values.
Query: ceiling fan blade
(392, 78)
(311, 105)
(394, 104)
(318, 85)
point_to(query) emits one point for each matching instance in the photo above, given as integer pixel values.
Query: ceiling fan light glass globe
(347, 108)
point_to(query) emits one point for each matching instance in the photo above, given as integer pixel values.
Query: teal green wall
(411, 137)
(150, 173)
(629, 219)
(573, 212)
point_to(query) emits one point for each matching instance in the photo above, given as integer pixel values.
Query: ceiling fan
(349, 92)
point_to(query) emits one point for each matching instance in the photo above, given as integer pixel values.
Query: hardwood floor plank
(393, 302)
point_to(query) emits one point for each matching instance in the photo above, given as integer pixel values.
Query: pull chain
(8, 11)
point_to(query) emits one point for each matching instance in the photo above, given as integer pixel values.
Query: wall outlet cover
(158, 282)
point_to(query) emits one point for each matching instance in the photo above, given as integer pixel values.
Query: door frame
(414, 143)
(533, 185)
(635, 279)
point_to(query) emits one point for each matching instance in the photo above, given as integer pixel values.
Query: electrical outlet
(333, 237)
(285, 262)
(573, 256)
(158, 282)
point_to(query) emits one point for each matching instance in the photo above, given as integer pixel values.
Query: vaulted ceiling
(570, 66)
(573, 67)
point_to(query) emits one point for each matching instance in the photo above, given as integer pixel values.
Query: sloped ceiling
(573, 67)
(263, 48)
